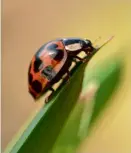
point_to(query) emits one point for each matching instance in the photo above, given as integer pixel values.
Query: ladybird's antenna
(109, 39)
(97, 40)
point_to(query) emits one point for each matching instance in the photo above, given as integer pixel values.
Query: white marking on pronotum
(73, 47)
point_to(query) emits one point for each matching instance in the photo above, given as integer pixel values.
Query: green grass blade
(84, 115)
(43, 131)
(107, 88)
(56, 127)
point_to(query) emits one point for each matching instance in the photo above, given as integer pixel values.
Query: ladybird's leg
(74, 60)
(49, 97)
(51, 89)
(87, 52)
(77, 57)
(67, 78)
(80, 59)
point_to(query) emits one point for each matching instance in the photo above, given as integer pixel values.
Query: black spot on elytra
(52, 46)
(48, 72)
(37, 64)
(30, 78)
(56, 54)
(59, 55)
(29, 69)
(36, 85)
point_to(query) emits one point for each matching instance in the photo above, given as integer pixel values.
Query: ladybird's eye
(88, 42)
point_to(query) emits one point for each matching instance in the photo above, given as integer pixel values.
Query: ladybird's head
(87, 45)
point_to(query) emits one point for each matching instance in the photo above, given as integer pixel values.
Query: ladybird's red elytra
(52, 61)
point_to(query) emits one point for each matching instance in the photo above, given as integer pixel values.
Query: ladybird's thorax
(77, 44)
(72, 44)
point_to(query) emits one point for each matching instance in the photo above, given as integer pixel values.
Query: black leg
(88, 53)
(51, 89)
(81, 59)
(78, 58)
(49, 97)
(74, 60)
(67, 76)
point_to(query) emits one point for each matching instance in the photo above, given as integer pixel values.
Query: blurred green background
(26, 25)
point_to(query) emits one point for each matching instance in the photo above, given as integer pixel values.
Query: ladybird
(52, 61)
